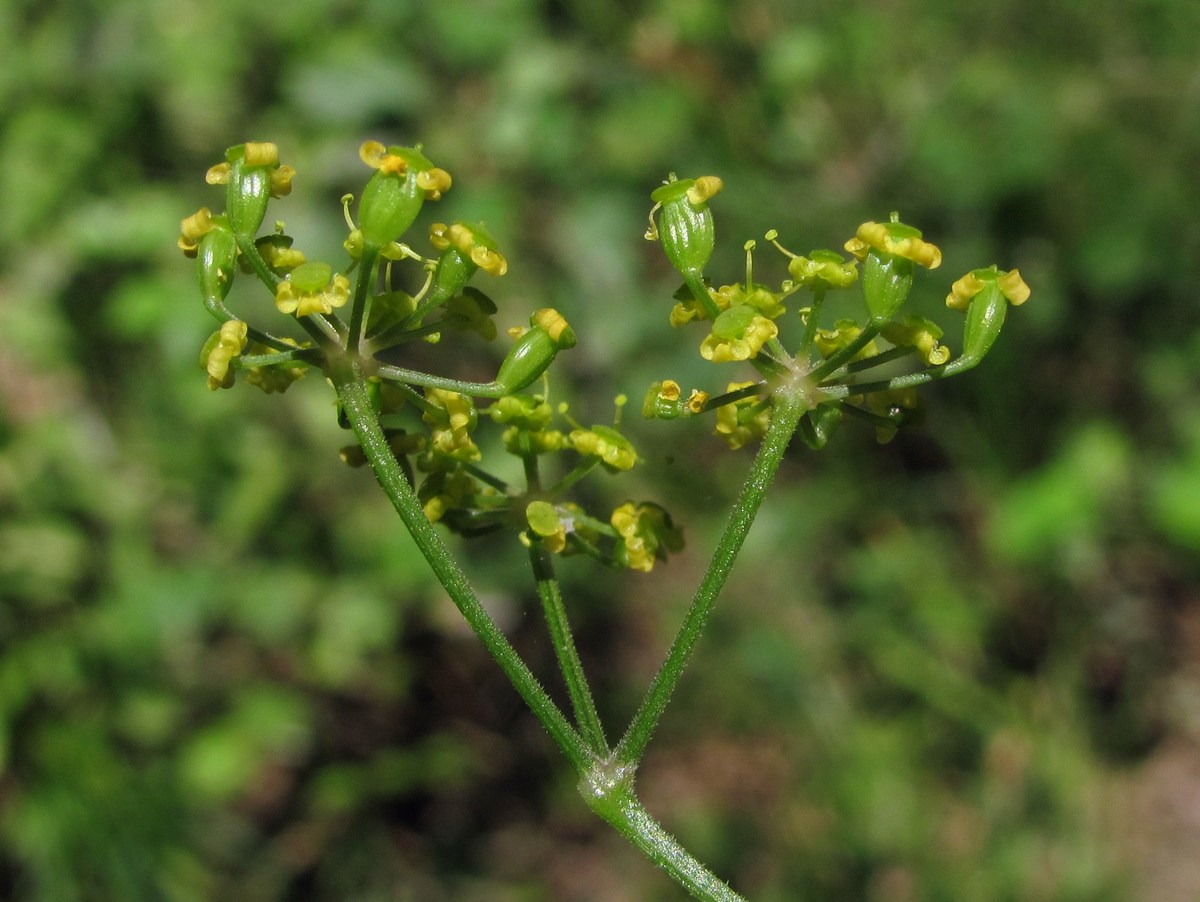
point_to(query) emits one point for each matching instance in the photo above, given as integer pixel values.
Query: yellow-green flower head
(919, 333)
(664, 401)
(312, 288)
(523, 442)
(277, 251)
(403, 181)
(530, 412)
(545, 523)
(614, 450)
(535, 349)
(553, 523)
(688, 308)
(192, 229)
(742, 421)
(219, 351)
(737, 334)
(400, 160)
(829, 341)
(277, 377)
(527, 417)
(451, 424)
(255, 155)
(894, 238)
(823, 267)
(252, 175)
(446, 491)
(473, 242)
(759, 297)
(985, 295)
(685, 223)
(1010, 283)
(647, 534)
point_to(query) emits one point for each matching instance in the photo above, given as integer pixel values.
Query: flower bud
(737, 334)
(822, 268)
(535, 350)
(216, 263)
(394, 195)
(253, 175)
(887, 252)
(665, 401)
(545, 523)
(985, 295)
(886, 283)
(985, 318)
(647, 534)
(685, 223)
(615, 451)
(464, 249)
(218, 353)
(921, 334)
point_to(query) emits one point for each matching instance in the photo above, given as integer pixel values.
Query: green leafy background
(962, 666)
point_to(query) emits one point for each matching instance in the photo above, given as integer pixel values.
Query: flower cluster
(829, 364)
(355, 316)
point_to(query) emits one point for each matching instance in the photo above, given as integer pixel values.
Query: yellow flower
(664, 400)
(278, 252)
(759, 297)
(192, 229)
(822, 267)
(919, 333)
(1010, 283)
(740, 423)
(443, 492)
(256, 154)
(688, 308)
(470, 241)
(376, 155)
(829, 341)
(312, 288)
(647, 534)
(431, 180)
(219, 351)
(451, 423)
(894, 238)
(545, 523)
(606, 443)
(738, 334)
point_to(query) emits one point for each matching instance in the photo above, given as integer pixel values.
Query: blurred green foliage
(223, 672)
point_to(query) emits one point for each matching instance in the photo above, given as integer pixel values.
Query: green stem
(427, 380)
(564, 648)
(791, 402)
(362, 288)
(695, 283)
(911, 380)
(609, 792)
(810, 325)
(347, 376)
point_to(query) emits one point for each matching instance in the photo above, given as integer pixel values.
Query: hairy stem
(791, 402)
(564, 649)
(346, 374)
(609, 792)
